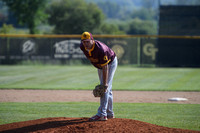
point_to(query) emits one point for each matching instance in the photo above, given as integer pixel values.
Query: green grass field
(85, 78)
(185, 116)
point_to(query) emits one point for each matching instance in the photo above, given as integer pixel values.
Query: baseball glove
(99, 90)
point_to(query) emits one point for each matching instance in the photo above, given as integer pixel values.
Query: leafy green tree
(28, 12)
(107, 28)
(144, 14)
(74, 16)
(108, 11)
(138, 26)
(6, 29)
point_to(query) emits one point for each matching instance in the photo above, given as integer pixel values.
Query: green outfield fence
(139, 50)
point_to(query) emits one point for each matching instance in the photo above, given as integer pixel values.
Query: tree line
(76, 16)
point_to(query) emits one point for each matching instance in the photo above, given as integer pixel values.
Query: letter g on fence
(150, 50)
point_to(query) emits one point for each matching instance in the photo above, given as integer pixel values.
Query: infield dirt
(86, 95)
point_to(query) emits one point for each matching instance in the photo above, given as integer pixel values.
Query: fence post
(139, 51)
(7, 50)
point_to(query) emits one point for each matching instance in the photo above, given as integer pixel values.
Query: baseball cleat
(110, 117)
(98, 118)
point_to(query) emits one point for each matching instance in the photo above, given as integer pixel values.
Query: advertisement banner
(65, 50)
(125, 49)
(148, 50)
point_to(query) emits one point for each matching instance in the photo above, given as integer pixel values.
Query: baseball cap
(86, 36)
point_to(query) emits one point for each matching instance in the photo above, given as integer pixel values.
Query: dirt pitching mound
(76, 125)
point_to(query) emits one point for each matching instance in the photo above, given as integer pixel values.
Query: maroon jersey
(99, 55)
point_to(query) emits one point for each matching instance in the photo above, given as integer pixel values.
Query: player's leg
(101, 115)
(112, 69)
(103, 99)
(106, 101)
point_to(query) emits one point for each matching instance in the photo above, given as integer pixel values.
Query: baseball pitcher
(105, 60)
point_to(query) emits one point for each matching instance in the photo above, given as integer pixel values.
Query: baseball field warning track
(86, 95)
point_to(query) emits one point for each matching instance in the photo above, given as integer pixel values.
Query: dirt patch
(77, 125)
(77, 96)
